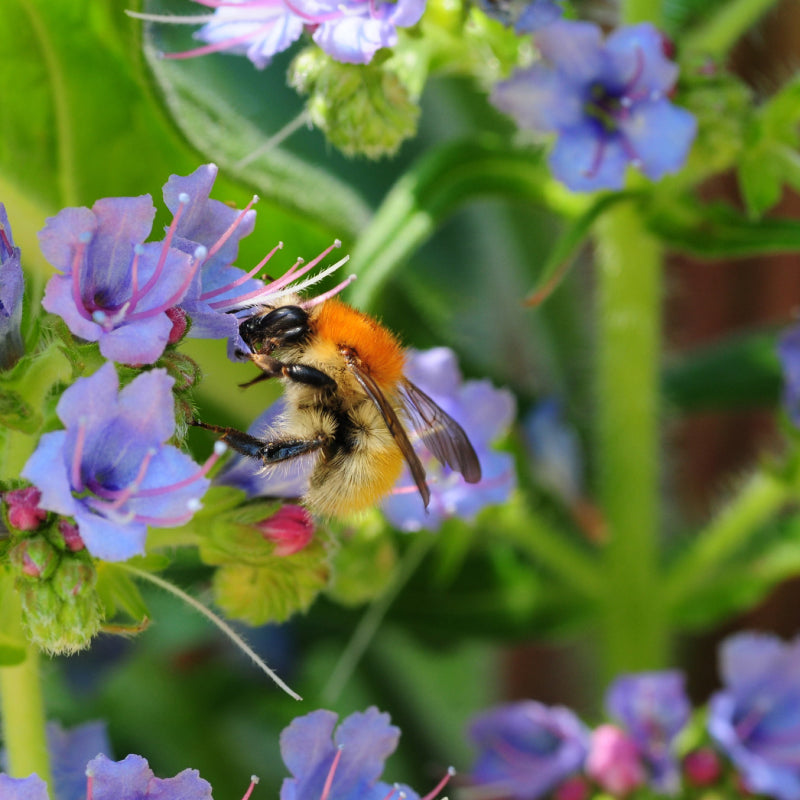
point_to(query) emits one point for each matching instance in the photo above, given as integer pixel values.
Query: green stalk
(21, 703)
(717, 35)
(633, 11)
(629, 267)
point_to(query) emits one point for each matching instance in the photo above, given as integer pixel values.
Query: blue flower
(525, 749)
(653, 708)
(113, 288)
(110, 468)
(132, 779)
(485, 413)
(30, 788)
(755, 719)
(12, 286)
(524, 17)
(342, 765)
(607, 101)
(789, 355)
(70, 750)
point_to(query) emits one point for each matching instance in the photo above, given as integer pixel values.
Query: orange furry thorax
(381, 354)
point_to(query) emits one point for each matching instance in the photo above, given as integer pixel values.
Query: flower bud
(71, 536)
(35, 558)
(614, 762)
(702, 767)
(180, 322)
(22, 508)
(291, 528)
(363, 109)
(575, 788)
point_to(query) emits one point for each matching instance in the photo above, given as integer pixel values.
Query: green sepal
(118, 592)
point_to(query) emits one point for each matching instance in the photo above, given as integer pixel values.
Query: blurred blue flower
(485, 414)
(132, 779)
(113, 288)
(525, 16)
(606, 100)
(789, 355)
(342, 765)
(12, 286)
(70, 750)
(110, 468)
(526, 749)
(653, 708)
(755, 719)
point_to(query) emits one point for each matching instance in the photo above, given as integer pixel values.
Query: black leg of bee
(284, 325)
(261, 450)
(300, 373)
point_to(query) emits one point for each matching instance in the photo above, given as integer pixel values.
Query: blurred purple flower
(110, 468)
(342, 765)
(132, 779)
(113, 288)
(351, 31)
(30, 788)
(485, 413)
(606, 100)
(755, 719)
(70, 751)
(12, 285)
(789, 355)
(653, 708)
(614, 761)
(525, 749)
(524, 16)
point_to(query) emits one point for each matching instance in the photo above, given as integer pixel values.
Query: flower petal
(132, 779)
(109, 540)
(30, 788)
(93, 398)
(575, 48)
(58, 299)
(368, 739)
(46, 469)
(147, 403)
(639, 61)
(60, 235)
(140, 343)
(70, 751)
(586, 159)
(307, 741)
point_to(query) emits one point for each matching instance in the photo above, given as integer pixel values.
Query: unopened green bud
(363, 109)
(62, 614)
(34, 558)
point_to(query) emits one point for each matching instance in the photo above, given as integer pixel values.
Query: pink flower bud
(575, 788)
(702, 767)
(290, 528)
(24, 513)
(72, 538)
(614, 761)
(178, 318)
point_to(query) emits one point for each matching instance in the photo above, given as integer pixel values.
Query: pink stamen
(314, 18)
(77, 258)
(5, 240)
(217, 46)
(326, 789)
(394, 789)
(165, 522)
(175, 298)
(89, 787)
(315, 301)
(637, 70)
(137, 251)
(439, 786)
(121, 496)
(77, 456)
(139, 294)
(597, 160)
(243, 278)
(219, 449)
(253, 782)
(225, 3)
(231, 228)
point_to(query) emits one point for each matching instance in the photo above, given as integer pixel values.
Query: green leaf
(718, 231)
(118, 592)
(760, 181)
(740, 372)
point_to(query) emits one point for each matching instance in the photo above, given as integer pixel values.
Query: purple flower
(31, 788)
(524, 17)
(110, 468)
(653, 708)
(606, 100)
(70, 750)
(485, 413)
(132, 779)
(342, 765)
(755, 719)
(789, 355)
(113, 288)
(525, 749)
(11, 289)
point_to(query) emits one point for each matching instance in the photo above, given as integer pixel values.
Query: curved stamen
(392, 791)
(77, 456)
(326, 789)
(219, 449)
(439, 786)
(5, 240)
(253, 781)
(169, 522)
(321, 298)
(170, 19)
(637, 70)
(183, 201)
(77, 259)
(313, 18)
(137, 251)
(89, 787)
(597, 160)
(177, 295)
(119, 497)
(243, 278)
(215, 248)
(217, 46)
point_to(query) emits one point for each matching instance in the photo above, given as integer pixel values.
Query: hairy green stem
(629, 267)
(21, 703)
(717, 35)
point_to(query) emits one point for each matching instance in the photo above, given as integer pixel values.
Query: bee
(346, 393)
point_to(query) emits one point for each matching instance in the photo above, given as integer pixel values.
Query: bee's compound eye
(284, 324)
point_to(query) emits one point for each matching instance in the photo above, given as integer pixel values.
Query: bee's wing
(440, 433)
(396, 429)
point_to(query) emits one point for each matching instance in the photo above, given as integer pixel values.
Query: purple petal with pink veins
(58, 299)
(48, 470)
(59, 237)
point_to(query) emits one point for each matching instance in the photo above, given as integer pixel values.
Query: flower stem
(717, 35)
(21, 703)
(629, 262)
(633, 11)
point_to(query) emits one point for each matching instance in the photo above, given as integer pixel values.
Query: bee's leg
(301, 373)
(268, 452)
